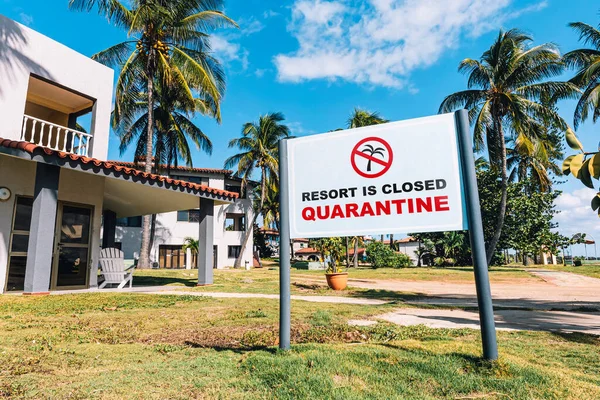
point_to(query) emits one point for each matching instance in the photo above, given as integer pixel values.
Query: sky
(316, 60)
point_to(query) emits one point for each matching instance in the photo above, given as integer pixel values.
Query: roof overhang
(127, 191)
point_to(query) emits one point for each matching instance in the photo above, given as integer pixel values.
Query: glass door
(70, 268)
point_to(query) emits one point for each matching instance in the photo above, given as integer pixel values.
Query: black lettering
(429, 185)
(323, 194)
(352, 192)
(407, 187)
(305, 196)
(418, 186)
(343, 193)
(333, 194)
(314, 196)
(372, 190)
(386, 189)
(440, 184)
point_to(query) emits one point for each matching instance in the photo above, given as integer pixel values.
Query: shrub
(381, 256)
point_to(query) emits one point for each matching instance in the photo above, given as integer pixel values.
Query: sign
(397, 177)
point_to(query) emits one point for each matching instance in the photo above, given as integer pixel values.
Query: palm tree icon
(370, 150)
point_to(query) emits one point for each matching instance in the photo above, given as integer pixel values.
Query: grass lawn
(114, 346)
(266, 280)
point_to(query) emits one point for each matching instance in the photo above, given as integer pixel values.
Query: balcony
(55, 137)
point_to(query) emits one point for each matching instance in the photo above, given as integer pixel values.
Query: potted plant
(331, 250)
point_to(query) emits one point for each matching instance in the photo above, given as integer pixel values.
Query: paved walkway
(560, 301)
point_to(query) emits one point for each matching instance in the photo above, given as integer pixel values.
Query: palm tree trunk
(347, 252)
(392, 241)
(263, 188)
(503, 197)
(356, 252)
(144, 261)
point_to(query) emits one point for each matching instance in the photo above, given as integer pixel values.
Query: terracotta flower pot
(337, 281)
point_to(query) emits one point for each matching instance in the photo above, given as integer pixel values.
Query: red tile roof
(307, 250)
(176, 168)
(112, 167)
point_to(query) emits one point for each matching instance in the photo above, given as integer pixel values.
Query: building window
(19, 239)
(130, 222)
(235, 222)
(201, 180)
(188, 216)
(234, 251)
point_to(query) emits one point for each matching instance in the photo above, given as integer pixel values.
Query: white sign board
(398, 177)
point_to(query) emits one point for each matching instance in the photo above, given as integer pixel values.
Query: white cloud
(229, 51)
(26, 19)
(576, 214)
(251, 27)
(270, 14)
(260, 72)
(297, 129)
(380, 42)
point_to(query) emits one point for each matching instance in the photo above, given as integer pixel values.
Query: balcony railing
(55, 137)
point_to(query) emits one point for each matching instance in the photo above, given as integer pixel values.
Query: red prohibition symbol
(378, 155)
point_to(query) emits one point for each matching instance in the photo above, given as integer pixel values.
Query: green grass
(114, 346)
(266, 280)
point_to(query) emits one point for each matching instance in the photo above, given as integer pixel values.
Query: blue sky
(315, 60)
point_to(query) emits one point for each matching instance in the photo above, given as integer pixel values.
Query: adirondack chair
(112, 263)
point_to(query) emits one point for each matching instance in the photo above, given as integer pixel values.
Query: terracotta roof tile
(176, 168)
(307, 250)
(115, 167)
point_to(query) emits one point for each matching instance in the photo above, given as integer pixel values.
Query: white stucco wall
(24, 52)
(172, 232)
(409, 249)
(75, 187)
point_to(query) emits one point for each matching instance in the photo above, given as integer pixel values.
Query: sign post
(284, 250)
(408, 176)
(482, 279)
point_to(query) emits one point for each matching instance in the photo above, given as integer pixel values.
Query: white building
(56, 190)
(171, 229)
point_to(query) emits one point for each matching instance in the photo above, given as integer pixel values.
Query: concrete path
(557, 321)
(554, 291)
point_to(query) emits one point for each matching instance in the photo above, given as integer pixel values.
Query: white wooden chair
(112, 263)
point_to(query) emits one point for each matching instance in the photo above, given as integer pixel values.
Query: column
(42, 231)
(206, 242)
(109, 228)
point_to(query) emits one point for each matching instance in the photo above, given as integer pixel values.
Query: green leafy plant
(331, 248)
(381, 256)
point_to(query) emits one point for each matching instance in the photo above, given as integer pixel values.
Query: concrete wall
(173, 232)
(75, 187)
(409, 249)
(23, 52)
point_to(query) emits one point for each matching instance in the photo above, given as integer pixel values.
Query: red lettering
(337, 212)
(398, 204)
(382, 207)
(441, 203)
(325, 209)
(367, 209)
(352, 210)
(423, 204)
(411, 208)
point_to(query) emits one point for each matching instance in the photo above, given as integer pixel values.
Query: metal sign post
(284, 249)
(473, 208)
(362, 192)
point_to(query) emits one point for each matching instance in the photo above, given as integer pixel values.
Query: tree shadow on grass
(385, 295)
(233, 347)
(163, 281)
(578, 337)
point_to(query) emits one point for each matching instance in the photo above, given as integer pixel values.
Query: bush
(380, 255)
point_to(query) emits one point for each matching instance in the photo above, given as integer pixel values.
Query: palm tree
(506, 88)
(190, 243)
(167, 41)
(173, 127)
(360, 118)
(259, 145)
(534, 161)
(372, 151)
(586, 61)
(356, 241)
